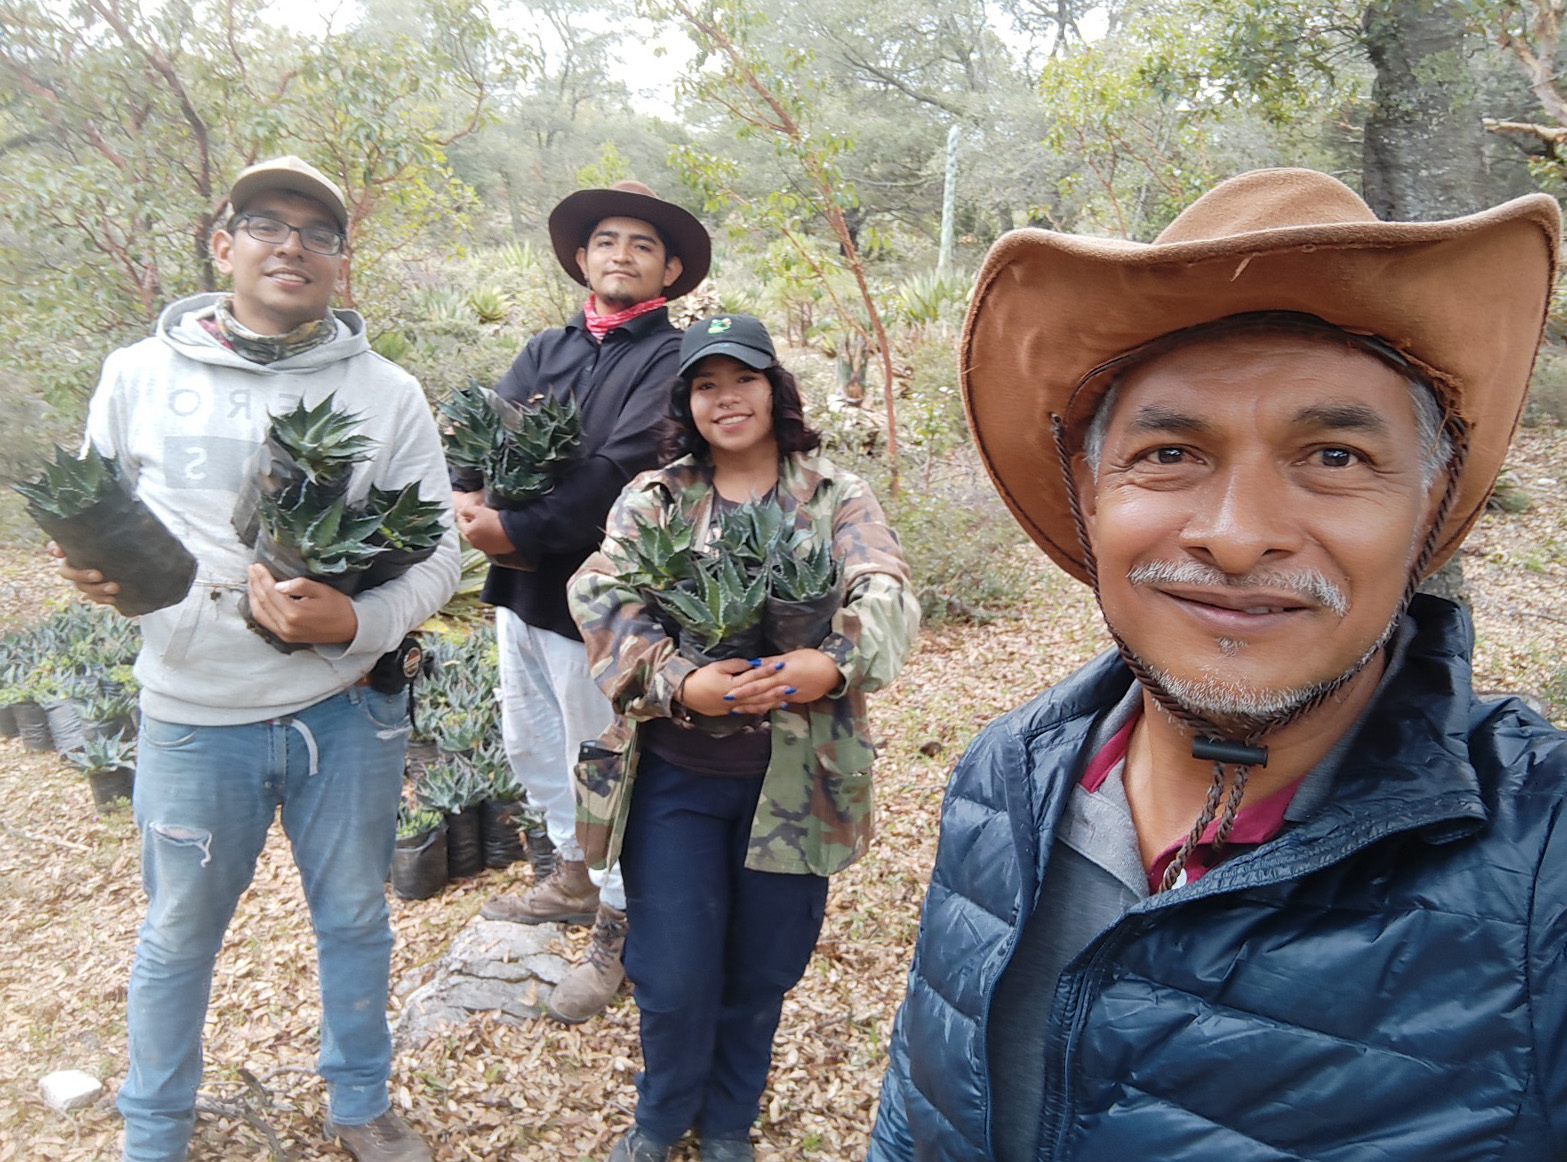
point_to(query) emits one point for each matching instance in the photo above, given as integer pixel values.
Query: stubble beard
(1236, 710)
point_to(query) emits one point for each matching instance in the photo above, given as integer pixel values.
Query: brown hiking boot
(566, 897)
(384, 1139)
(593, 981)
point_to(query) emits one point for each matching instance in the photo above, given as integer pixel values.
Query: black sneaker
(638, 1147)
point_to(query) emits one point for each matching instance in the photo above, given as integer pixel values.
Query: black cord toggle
(1229, 752)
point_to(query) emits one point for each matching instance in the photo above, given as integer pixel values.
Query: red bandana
(601, 325)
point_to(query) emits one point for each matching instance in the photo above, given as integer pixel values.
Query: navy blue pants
(712, 949)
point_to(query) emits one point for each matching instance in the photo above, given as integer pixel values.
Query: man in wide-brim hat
(1267, 881)
(634, 252)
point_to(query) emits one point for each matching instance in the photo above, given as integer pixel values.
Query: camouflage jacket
(814, 814)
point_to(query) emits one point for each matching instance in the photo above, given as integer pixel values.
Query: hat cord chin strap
(1208, 740)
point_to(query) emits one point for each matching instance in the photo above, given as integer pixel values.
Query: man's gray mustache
(1307, 583)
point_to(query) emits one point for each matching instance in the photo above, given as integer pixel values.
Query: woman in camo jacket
(726, 842)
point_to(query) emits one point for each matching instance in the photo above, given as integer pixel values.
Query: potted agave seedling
(456, 788)
(419, 855)
(410, 531)
(514, 452)
(719, 616)
(659, 557)
(504, 810)
(315, 446)
(90, 512)
(110, 766)
(306, 526)
(805, 589)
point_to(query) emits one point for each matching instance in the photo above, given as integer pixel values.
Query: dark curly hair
(678, 435)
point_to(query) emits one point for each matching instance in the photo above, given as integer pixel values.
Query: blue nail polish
(729, 697)
(778, 665)
(753, 662)
(734, 712)
(788, 689)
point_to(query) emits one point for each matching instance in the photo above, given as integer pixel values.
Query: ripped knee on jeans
(181, 836)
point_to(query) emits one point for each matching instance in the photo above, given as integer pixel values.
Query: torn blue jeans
(205, 798)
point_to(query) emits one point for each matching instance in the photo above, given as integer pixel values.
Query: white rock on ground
(69, 1089)
(492, 966)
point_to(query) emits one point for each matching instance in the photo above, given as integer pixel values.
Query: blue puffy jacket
(1387, 980)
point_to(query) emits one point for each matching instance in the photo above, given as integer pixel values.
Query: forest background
(854, 160)
(816, 138)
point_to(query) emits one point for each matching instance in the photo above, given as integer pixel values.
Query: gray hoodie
(184, 414)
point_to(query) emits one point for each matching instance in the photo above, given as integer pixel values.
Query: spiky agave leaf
(407, 521)
(413, 820)
(330, 539)
(473, 429)
(102, 753)
(752, 531)
(723, 600)
(802, 571)
(72, 484)
(660, 556)
(323, 441)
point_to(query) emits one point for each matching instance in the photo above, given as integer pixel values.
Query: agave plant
(722, 602)
(407, 523)
(802, 571)
(330, 541)
(412, 820)
(460, 732)
(489, 305)
(752, 532)
(323, 441)
(72, 484)
(451, 788)
(542, 438)
(660, 556)
(102, 753)
(473, 429)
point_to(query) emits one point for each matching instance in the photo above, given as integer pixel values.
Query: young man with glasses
(233, 730)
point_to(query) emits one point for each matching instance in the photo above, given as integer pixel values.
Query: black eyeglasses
(275, 232)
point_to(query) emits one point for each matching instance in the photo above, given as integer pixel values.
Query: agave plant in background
(109, 763)
(414, 820)
(458, 789)
(419, 855)
(86, 508)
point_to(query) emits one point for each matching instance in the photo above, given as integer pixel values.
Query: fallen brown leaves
(70, 900)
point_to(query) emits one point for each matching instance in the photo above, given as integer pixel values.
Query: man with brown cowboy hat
(1268, 881)
(634, 252)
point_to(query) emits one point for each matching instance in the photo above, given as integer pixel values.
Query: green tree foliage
(125, 122)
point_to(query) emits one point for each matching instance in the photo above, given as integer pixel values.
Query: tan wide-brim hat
(1463, 300)
(296, 176)
(582, 210)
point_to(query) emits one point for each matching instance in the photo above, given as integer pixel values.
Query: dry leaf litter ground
(70, 899)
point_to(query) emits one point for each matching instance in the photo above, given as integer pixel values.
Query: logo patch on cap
(719, 326)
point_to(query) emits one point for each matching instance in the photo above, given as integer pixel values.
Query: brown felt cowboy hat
(576, 215)
(1463, 301)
